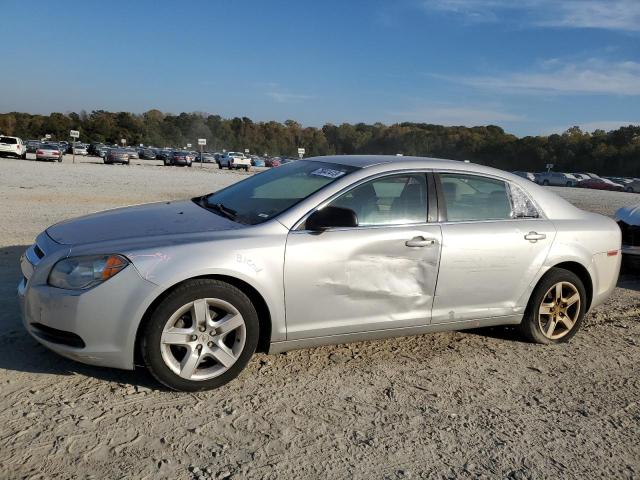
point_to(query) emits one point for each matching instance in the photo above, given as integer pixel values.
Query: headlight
(79, 273)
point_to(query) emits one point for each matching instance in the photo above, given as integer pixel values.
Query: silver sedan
(318, 251)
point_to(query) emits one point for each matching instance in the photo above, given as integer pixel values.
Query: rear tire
(186, 335)
(556, 308)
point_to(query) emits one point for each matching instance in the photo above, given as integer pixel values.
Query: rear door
(494, 242)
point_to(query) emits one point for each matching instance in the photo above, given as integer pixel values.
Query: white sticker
(327, 172)
(263, 215)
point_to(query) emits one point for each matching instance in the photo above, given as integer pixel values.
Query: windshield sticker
(327, 172)
(263, 215)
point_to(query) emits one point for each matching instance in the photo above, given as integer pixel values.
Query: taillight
(39, 152)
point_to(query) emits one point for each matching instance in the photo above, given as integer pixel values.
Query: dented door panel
(355, 280)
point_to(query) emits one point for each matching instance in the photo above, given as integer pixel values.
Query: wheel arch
(261, 306)
(581, 272)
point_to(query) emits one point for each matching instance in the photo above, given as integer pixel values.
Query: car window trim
(297, 227)
(442, 206)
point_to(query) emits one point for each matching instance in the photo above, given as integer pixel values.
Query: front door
(379, 275)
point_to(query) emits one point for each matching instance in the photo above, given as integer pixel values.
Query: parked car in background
(345, 248)
(164, 155)
(101, 150)
(147, 154)
(272, 162)
(117, 155)
(235, 160)
(528, 175)
(79, 149)
(133, 153)
(257, 161)
(49, 152)
(628, 219)
(581, 176)
(180, 157)
(601, 184)
(12, 147)
(557, 179)
(32, 145)
(205, 157)
(631, 185)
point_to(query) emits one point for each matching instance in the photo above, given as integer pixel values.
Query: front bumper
(104, 318)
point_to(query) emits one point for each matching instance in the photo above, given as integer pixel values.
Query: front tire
(201, 336)
(545, 183)
(556, 308)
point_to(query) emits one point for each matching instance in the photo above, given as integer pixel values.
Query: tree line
(616, 152)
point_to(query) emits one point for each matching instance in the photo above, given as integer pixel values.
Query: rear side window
(392, 200)
(472, 197)
(8, 140)
(523, 207)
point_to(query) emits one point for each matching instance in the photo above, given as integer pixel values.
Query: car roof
(364, 161)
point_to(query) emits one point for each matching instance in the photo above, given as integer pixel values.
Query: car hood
(140, 221)
(629, 215)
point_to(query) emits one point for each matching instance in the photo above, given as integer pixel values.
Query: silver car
(318, 251)
(556, 179)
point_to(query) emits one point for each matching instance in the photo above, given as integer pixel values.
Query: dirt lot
(476, 404)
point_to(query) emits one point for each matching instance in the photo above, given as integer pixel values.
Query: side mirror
(328, 217)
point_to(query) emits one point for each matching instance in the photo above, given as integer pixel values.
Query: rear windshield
(48, 146)
(9, 140)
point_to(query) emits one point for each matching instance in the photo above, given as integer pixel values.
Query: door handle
(420, 242)
(534, 236)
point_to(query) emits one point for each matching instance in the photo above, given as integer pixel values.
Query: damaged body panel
(359, 280)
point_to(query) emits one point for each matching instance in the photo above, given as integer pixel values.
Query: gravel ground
(475, 404)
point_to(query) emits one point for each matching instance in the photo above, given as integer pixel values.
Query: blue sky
(530, 66)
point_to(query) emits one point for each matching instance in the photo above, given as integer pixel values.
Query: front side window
(392, 200)
(472, 197)
(265, 195)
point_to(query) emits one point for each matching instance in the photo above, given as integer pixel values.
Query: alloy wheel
(203, 339)
(559, 310)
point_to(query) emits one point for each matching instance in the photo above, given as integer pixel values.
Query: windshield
(265, 195)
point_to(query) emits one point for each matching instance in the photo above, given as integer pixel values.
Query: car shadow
(19, 352)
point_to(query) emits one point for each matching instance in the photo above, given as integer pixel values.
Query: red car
(601, 184)
(272, 162)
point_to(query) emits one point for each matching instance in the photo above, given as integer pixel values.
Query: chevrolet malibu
(316, 252)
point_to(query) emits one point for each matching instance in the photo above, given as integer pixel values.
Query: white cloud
(283, 97)
(592, 76)
(604, 14)
(456, 115)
